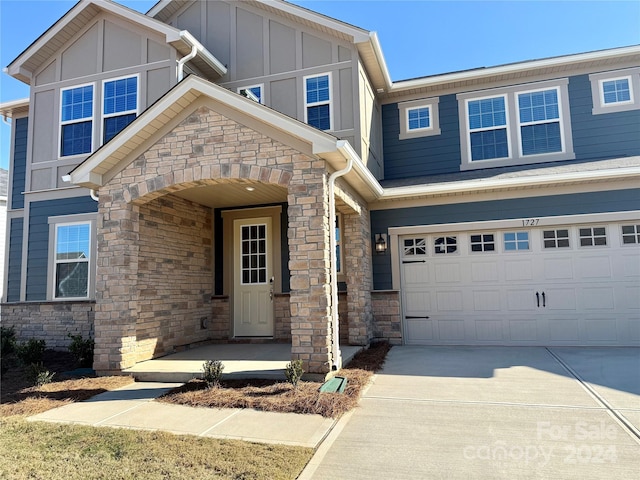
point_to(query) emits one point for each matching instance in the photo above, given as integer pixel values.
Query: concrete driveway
(492, 413)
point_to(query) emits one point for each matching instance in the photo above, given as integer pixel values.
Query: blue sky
(418, 38)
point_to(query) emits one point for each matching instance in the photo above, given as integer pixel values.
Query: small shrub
(7, 348)
(82, 350)
(39, 375)
(31, 351)
(294, 372)
(212, 372)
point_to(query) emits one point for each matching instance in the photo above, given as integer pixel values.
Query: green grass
(51, 451)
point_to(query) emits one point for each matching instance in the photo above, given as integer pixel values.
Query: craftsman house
(225, 170)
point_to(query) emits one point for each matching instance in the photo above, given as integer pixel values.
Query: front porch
(240, 360)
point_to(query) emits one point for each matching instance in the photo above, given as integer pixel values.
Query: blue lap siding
(19, 166)
(38, 252)
(553, 205)
(14, 268)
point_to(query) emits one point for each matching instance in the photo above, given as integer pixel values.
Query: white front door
(253, 278)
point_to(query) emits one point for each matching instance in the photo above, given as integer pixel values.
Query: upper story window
(78, 108)
(120, 105)
(76, 120)
(419, 118)
(317, 95)
(515, 125)
(253, 92)
(615, 91)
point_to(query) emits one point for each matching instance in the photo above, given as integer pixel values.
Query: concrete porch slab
(241, 360)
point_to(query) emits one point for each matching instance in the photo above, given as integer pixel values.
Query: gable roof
(365, 41)
(72, 22)
(138, 136)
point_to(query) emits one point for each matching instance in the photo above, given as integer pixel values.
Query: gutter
(343, 146)
(198, 49)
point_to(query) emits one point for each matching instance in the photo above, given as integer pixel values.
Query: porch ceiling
(226, 195)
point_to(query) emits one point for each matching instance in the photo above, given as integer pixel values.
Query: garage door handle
(412, 317)
(413, 261)
(544, 300)
(538, 299)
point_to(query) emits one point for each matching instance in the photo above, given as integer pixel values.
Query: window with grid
(445, 245)
(539, 115)
(120, 105)
(71, 260)
(616, 91)
(483, 242)
(630, 234)
(414, 246)
(555, 238)
(592, 236)
(318, 101)
(515, 241)
(488, 135)
(76, 120)
(254, 254)
(418, 118)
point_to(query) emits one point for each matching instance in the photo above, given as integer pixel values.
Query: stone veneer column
(357, 261)
(116, 283)
(309, 264)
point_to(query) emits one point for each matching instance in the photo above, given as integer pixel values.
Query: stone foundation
(49, 321)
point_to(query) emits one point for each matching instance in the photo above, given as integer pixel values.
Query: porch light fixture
(381, 243)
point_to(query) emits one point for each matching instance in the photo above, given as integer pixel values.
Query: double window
(317, 95)
(118, 108)
(515, 125)
(615, 91)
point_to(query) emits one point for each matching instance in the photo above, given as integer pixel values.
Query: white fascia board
(7, 108)
(377, 50)
(509, 183)
(347, 151)
(203, 53)
(512, 68)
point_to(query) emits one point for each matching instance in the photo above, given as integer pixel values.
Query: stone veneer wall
(175, 276)
(220, 327)
(386, 313)
(49, 321)
(282, 317)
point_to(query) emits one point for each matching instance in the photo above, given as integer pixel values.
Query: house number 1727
(530, 222)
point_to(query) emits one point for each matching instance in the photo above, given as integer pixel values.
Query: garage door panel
(594, 267)
(604, 330)
(631, 265)
(631, 297)
(597, 298)
(557, 298)
(420, 331)
(564, 331)
(484, 272)
(418, 303)
(449, 301)
(518, 270)
(452, 330)
(447, 272)
(487, 300)
(632, 330)
(558, 268)
(525, 331)
(488, 330)
(520, 300)
(417, 273)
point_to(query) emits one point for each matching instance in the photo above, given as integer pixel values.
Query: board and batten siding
(38, 250)
(14, 264)
(552, 205)
(19, 164)
(422, 156)
(608, 135)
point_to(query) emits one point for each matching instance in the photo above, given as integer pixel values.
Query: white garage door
(558, 285)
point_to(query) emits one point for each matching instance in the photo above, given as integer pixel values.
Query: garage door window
(483, 243)
(514, 241)
(556, 238)
(630, 234)
(415, 246)
(590, 237)
(445, 245)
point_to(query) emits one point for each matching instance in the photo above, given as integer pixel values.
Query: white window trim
(434, 120)
(503, 242)
(70, 122)
(118, 114)
(520, 124)
(316, 104)
(597, 93)
(513, 126)
(248, 87)
(482, 243)
(579, 237)
(54, 222)
(507, 126)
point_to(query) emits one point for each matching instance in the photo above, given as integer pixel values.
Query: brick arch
(154, 187)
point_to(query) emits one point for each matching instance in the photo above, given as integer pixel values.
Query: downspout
(335, 321)
(183, 60)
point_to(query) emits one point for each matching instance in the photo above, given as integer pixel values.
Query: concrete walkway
(491, 412)
(132, 407)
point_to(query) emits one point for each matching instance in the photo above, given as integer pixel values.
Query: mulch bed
(278, 396)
